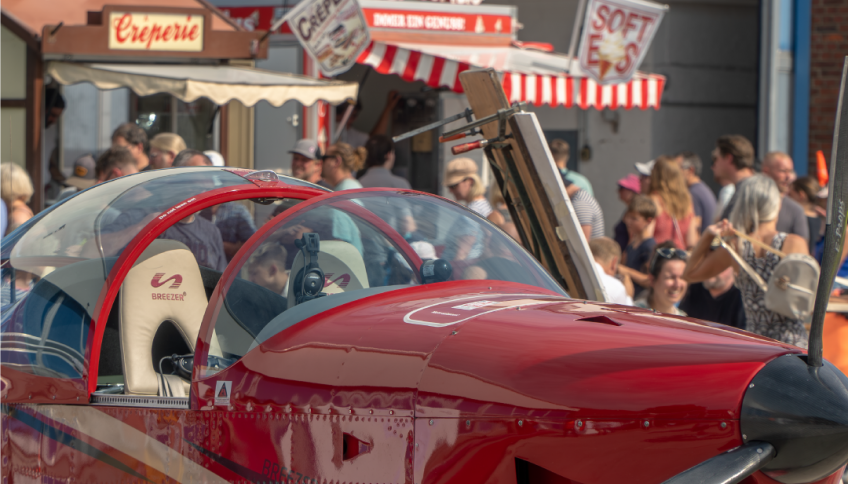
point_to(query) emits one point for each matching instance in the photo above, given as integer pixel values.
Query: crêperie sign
(155, 32)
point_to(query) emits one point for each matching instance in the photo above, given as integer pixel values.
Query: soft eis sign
(616, 36)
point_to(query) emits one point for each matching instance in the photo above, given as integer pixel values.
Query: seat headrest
(343, 266)
(163, 285)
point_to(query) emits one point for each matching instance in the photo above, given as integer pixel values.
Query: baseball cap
(630, 182)
(83, 176)
(459, 169)
(645, 168)
(308, 148)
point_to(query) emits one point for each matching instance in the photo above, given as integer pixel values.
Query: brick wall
(828, 47)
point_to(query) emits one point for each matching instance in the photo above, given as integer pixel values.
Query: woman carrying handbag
(755, 252)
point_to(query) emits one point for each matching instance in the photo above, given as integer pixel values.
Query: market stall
(180, 63)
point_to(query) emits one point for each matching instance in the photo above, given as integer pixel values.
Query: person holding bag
(755, 253)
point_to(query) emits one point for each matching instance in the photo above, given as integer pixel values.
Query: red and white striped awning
(527, 75)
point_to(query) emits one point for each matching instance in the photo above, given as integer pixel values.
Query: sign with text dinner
(334, 32)
(155, 32)
(616, 36)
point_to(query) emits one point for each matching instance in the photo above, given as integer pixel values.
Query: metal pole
(578, 22)
(343, 123)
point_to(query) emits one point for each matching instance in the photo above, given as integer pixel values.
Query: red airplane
(366, 336)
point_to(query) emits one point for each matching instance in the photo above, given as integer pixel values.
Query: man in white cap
(217, 158)
(644, 171)
(306, 161)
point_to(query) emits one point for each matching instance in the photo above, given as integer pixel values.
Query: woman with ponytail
(340, 163)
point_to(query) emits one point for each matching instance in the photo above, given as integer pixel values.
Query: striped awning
(527, 75)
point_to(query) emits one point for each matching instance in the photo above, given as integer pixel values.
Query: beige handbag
(791, 288)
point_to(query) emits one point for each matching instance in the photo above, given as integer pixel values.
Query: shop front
(419, 48)
(180, 66)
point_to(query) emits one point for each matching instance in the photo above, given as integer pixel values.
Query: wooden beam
(34, 116)
(543, 215)
(13, 103)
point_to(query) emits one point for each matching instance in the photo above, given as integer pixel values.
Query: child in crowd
(639, 220)
(607, 254)
(267, 267)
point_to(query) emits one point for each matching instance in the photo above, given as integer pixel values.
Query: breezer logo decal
(341, 281)
(157, 280)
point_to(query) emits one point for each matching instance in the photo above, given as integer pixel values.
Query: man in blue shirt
(703, 199)
(561, 152)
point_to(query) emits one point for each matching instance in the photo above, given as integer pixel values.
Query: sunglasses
(451, 187)
(668, 253)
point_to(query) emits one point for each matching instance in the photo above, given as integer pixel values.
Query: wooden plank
(537, 208)
(567, 235)
(35, 123)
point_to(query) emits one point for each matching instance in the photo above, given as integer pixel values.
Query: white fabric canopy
(220, 84)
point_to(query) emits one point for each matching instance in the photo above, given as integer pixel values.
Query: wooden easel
(538, 203)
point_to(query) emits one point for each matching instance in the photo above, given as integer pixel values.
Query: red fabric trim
(388, 58)
(436, 72)
(660, 85)
(523, 87)
(538, 100)
(411, 65)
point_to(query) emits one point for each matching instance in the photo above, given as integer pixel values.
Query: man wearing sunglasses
(306, 162)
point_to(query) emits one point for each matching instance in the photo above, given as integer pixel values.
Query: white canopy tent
(220, 84)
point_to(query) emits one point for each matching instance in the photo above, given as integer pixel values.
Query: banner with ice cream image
(616, 36)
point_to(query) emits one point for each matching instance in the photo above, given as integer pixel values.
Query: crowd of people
(667, 254)
(661, 254)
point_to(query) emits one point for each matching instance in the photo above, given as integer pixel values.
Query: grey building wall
(707, 49)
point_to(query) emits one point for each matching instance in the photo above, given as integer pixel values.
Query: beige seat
(163, 287)
(343, 266)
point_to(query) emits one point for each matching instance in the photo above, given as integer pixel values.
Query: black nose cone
(803, 412)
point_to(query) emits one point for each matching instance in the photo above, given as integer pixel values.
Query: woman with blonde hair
(16, 191)
(755, 215)
(340, 163)
(675, 214)
(164, 148)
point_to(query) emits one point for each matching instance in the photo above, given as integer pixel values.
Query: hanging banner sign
(334, 32)
(616, 36)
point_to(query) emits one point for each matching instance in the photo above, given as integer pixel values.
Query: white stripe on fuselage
(127, 439)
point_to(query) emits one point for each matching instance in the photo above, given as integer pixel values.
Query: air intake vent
(600, 319)
(352, 447)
